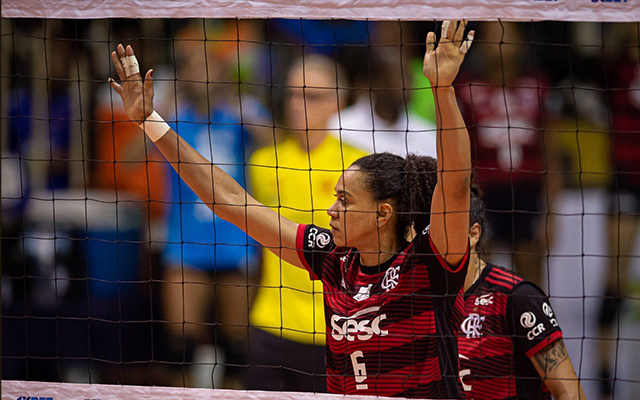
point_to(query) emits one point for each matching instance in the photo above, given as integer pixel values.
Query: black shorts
(511, 213)
(277, 364)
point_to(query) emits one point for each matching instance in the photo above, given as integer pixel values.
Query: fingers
(115, 86)
(129, 52)
(118, 65)
(445, 30)
(457, 38)
(148, 86)
(124, 73)
(466, 45)
(431, 41)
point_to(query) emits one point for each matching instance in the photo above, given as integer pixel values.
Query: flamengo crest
(391, 277)
(472, 325)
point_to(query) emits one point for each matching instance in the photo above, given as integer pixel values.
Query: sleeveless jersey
(391, 329)
(507, 320)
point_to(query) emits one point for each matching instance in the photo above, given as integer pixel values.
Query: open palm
(442, 63)
(137, 96)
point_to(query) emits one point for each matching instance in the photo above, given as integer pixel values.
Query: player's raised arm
(450, 203)
(214, 187)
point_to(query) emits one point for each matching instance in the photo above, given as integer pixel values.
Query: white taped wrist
(154, 126)
(130, 65)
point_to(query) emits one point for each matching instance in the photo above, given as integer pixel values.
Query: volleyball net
(113, 272)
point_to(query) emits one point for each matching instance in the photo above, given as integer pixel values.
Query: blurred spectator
(296, 177)
(344, 40)
(577, 149)
(381, 118)
(209, 262)
(577, 146)
(502, 100)
(43, 138)
(623, 70)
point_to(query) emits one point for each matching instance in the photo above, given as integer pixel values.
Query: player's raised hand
(137, 96)
(442, 62)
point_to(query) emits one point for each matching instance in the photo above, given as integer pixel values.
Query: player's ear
(384, 214)
(475, 232)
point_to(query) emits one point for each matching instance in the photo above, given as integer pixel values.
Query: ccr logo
(317, 239)
(322, 240)
(546, 309)
(348, 327)
(527, 319)
(536, 331)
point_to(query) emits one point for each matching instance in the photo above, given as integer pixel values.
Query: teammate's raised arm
(214, 186)
(450, 203)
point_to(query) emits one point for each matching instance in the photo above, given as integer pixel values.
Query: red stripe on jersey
(444, 262)
(485, 347)
(386, 341)
(506, 279)
(505, 275)
(505, 285)
(496, 388)
(299, 247)
(535, 349)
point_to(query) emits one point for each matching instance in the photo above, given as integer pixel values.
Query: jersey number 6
(359, 370)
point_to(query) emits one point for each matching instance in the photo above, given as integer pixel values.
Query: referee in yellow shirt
(287, 351)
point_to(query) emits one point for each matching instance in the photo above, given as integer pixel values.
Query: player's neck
(476, 266)
(381, 250)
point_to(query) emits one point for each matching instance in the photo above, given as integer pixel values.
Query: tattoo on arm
(552, 356)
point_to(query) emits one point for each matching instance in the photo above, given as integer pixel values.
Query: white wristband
(154, 126)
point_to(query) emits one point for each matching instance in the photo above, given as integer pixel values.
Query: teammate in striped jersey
(510, 342)
(392, 306)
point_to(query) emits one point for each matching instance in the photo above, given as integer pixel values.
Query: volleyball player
(392, 307)
(510, 342)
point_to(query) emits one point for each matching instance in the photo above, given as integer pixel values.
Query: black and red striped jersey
(506, 320)
(391, 329)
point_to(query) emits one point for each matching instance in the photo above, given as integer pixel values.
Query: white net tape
(19, 390)
(566, 10)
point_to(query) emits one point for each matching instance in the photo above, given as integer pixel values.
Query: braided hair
(407, 182)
